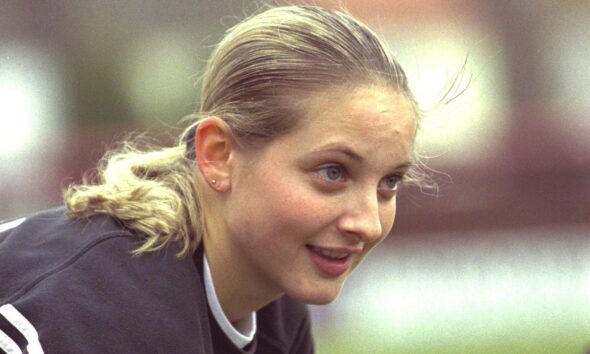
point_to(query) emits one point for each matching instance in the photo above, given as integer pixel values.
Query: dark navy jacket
(71, 286)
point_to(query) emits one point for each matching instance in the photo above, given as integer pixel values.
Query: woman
(282, 184)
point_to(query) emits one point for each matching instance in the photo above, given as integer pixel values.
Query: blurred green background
(497, 262)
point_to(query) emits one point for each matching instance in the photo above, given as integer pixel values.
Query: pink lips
(327, 265)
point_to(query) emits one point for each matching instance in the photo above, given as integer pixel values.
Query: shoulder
(36, 246)
(78, 285)
(285, 326)
(52, 227)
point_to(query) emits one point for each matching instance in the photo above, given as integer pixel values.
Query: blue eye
(390, 183)
(332, 173)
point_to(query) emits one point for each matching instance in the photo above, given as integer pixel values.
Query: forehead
(379, 114)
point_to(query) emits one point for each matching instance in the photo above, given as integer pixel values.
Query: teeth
(331, 254)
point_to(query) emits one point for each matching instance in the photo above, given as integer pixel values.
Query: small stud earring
(213, 181)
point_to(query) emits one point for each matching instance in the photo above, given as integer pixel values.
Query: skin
(330, 183)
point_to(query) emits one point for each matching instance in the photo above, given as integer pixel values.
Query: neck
(239, 289)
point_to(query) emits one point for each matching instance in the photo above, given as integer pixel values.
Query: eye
(332, 173)
(390, 184)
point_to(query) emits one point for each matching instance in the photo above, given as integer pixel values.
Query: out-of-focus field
(516, 291)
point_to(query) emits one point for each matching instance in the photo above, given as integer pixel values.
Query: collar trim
(242, 332)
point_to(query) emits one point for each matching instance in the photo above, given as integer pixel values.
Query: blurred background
(498, 261)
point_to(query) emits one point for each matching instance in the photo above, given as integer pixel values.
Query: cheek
(299, 208)
(284, 209)
(388, 217)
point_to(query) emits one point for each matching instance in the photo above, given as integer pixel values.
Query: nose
(362, 217)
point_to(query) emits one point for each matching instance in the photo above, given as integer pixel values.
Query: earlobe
(213, 149)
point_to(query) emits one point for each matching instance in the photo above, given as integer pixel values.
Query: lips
(329, 261)
(328, 253)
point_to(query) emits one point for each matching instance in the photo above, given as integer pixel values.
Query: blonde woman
(282, 184)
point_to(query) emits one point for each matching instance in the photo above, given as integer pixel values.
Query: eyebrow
(344, 150)
(353, 155)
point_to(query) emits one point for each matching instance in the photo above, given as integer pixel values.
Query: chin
(316, 296)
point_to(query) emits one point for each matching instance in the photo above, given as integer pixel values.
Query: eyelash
(343, 177)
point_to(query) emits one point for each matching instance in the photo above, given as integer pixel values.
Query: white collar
(242, 333)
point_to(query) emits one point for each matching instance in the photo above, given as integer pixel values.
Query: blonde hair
(256, 81)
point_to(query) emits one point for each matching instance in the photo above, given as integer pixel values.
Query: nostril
(362, 228)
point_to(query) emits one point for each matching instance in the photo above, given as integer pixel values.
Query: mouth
(331, 254)
(330, 262)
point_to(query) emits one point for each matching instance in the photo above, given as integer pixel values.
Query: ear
(213, 151)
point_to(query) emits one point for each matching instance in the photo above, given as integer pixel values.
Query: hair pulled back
(256, 81)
